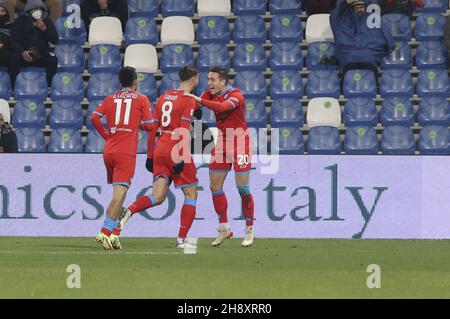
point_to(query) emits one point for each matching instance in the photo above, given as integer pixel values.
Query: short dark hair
(223, 73)
(127, 76)
(187, 73)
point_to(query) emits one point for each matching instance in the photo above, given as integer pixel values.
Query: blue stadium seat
(361, 140)
(360, 83)
(30, 140)
(68, 33)
(285, 56)
(70, 58)
(248, 7)
(147, 86)
(67, 86)
(143, 8)
(323, 140)
(251, 83)
(91, 108)
(94, 142)
(286, 84)
(29, 113)
(101, 85)
(213, 54)
(256, 113)
(31, 83)
(5, 85)
(208, 117)
(213, 29)
(399, 25)
(317, 54)
(290, 141)
(141, 30)
(396, 82)
(249, 57)
(397, 111)
(360, 111)
(433, 83)
(433, 6)
(249, 29)
(142, 142)
(434, 140)
(429, 27)
(175, 56)
(323, 83)
(286, 28)
(104, 58)
(285, 6)
(169, 81)
(64, 140)
(286, 112)
(177, 8)
(431, 54)
(434, 111)
(202, 84)
(66, 114)
(399, 58)
(397, 140)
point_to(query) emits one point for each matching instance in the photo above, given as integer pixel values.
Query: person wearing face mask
(30, 38)
(5, 31)
(91, 9)
(54, 7)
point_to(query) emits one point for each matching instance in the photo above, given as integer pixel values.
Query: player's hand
(149, 165)
(177, 169)
(198, 113)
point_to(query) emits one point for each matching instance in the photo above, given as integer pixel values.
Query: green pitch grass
(272, 268)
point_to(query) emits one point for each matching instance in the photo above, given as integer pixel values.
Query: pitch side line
(89, 253)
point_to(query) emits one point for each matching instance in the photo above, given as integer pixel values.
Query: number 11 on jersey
(126, 118)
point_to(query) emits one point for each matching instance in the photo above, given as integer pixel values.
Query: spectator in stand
(318, 6)
(53, 7)
(8, 138)
(400, 6)
(5, 32)
(447, 40)
(91, 9)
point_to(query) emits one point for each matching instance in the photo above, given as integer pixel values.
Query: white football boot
(223, 234)
(249, 237)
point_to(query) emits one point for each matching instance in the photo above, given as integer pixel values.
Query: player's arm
(229, 104)
(96, 119)
(149, 124)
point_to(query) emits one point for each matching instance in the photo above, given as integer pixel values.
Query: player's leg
(187, 214)
(217, 179)
(243, 186)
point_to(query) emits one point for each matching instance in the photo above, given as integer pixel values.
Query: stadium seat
(142, 57)
(286, 84)
(290, 141)
(31, 83)
(399, 26)
(249, 57)
(208, 117)
(70, 58)
(101, 85)
(29, 113)
(214, 54)
(430, 27)
(202, 84)
(4, 109)
(141, 30)
(30, 140)
(434, 140)
(285, 6)
(249, 7)
(397, 111)
(318, 28)
(285, 56)
(68, 33)
(396, 82)
(104, 59)
(431, 54)
(170, 81)
(95, 143)
(105, 30)
(433, 83)
(5, 85)
(142, 142)
(249, 29)
(143, 8)
(433, 6)
(66, 114)
(67, 86)
(323, 83)
(177, 30)
(399, 58)
(286, 28)
(323, 140)
(213, 30)
(177, 8)
(251, 83)
(175, 56)
(255, 114)
(64, 140)
(286, 112)
(93, 105)
(434, 111)
(323, 111)
(319, 54)
(213, 8)
(360, 111)
(398, 140)
(147, 86)
(360, 83)
(360, 140)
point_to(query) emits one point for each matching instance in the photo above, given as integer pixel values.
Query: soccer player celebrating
(232, 149)
(124, 111)
(172, 160)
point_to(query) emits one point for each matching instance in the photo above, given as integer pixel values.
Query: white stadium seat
(177, 29)
(105, 30)
(318, 28)
(4, 110)
(323, 111)
(142, 57)
(213, 8)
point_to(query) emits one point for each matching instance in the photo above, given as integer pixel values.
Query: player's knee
(159, 198)
(244, 190)
(215, 187)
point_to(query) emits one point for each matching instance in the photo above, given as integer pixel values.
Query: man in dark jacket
(400, 6)
(91, 9)
(5, 32)
(30, 39)
(318, 6)
(8, 138)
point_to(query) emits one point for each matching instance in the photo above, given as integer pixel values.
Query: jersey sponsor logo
(234, 99)
(170, 97)
(115, 129)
